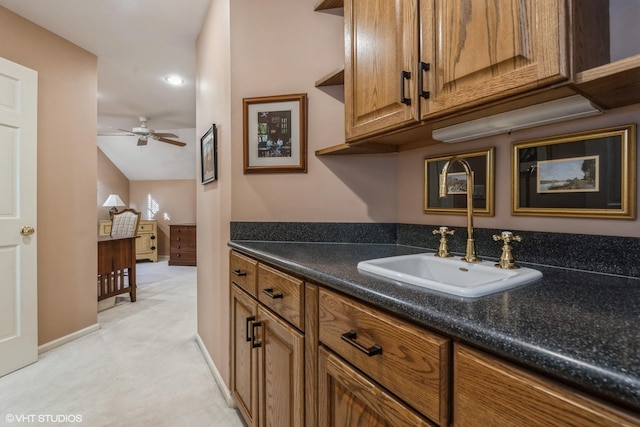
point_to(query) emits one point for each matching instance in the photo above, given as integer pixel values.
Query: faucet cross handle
(443, 231)
(506, 258)
(443, 249)
(507, 237)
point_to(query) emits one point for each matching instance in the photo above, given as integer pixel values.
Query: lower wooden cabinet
(305, 355)
(411, 363)
(244, 359)
(349, 399)
(491, 392)
(268, 356)
(280, 371)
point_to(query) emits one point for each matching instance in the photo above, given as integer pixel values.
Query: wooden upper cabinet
(381, 45)
(408, 61)
(485, 50)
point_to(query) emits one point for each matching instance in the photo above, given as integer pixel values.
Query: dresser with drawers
(182, 247)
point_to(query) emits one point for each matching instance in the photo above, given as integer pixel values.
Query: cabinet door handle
(239, 273)
(249, 320)
(405, 75)
(255, 344)
(350, 337)
(269, 291)
(424, 66)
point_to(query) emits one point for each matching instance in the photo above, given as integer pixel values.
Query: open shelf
(334, 78)
(365, 148)
(329, 4)
(613, 85)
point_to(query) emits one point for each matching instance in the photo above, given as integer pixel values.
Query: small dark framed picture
(481, 163)
(209, 155)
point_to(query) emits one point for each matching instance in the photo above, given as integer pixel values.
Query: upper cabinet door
(381, 48)
(483, 50)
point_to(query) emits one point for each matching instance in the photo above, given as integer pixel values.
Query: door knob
(27, 231)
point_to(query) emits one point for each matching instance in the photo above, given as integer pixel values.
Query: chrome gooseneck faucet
(471, 246)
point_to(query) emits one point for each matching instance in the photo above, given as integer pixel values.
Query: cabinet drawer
(243, 272)
(183, 233)
(283, 294)
(408, 361)
(146, 227)
(488, 391)
(183, 246)
(344, 394)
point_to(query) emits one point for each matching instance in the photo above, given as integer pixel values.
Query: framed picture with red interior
(275, 134)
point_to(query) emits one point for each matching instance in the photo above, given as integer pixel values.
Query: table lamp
(114, 201)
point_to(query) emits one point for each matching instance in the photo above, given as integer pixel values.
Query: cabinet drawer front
(183, 246)
(183, 233)
(488, 391)
(243, 272)
(283, 294)
(412, 363)
(183, 256)
(348, 398)
(147, 226)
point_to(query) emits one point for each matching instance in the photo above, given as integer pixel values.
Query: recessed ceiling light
(174, 80)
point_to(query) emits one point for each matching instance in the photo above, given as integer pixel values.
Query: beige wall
(309, 45)
(411, 177)
(168, 201)
(67, 164)
(213, 200)
(110, 181)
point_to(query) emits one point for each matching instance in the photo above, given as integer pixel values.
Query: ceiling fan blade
(142, 141)
(114, 134)
(169, 141)
(165, 135)
(127, 131)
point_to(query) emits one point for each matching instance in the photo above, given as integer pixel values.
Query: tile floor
(142, 368)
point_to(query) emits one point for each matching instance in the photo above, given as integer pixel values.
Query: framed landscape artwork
(587, 174)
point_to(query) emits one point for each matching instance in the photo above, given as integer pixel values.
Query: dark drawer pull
(269, 291)
(239, 273)
(424, 66)
(350, 337)
(249, 320)
(405, 75)
(255, 344)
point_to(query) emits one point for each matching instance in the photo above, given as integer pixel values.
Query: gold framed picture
(587, 174)
(482, 165)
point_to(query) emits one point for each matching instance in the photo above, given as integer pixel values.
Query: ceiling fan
(144, 133)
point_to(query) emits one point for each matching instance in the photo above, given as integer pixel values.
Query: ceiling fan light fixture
(174, 80)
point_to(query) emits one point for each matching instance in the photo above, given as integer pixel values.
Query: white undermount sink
(450, 275)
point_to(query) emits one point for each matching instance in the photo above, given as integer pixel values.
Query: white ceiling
(138, 43)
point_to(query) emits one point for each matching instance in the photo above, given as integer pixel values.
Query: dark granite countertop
(579, 327)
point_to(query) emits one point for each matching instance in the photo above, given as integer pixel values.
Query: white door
(18, 268)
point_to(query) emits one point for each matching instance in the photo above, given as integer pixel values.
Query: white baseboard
(67, 338)
(226, 393)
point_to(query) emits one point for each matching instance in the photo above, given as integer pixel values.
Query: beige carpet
(142, 368)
